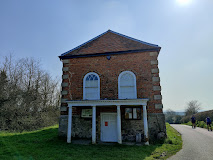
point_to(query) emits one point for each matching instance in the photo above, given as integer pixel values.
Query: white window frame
(119, 78)
(84, 81)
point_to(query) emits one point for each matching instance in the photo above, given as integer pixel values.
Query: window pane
(91, 77)
(91, 89)
(91, 84)
(138, 110)
(127, 80)
(127, 92)
(134, 113)
(91, 93)
(128, 113)
(127, 88)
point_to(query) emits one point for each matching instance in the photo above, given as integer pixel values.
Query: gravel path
(197, 144)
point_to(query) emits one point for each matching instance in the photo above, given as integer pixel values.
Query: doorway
(109, 127)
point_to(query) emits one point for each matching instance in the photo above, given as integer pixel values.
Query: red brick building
(111, 91)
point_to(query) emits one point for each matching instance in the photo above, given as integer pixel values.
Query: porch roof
(119, 102)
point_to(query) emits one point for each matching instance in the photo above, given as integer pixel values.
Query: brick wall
(109, 42)
(144, 65)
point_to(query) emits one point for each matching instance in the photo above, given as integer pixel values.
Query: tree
(169, 115)
(3, 87)
(172, 117)
(192, 107)
(29, 96)
(177, 119)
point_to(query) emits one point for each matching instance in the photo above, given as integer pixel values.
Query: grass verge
(44, 144)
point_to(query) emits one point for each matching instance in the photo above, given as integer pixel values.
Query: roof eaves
(110, 53)
(150, 44)
(63, 54)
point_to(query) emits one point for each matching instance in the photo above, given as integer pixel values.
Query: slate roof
(109, 42)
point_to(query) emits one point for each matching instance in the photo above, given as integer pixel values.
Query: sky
(183, 28)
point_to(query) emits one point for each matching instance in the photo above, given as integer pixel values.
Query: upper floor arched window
(91, 86)
(127, 85)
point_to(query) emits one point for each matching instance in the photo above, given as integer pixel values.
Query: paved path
(197, 144)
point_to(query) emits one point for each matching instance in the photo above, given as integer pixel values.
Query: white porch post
(93, 124)
(119, 124)
(69, 129)
(145, 125)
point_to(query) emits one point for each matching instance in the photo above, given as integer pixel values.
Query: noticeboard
(86, 113)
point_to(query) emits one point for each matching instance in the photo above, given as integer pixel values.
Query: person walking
(208, 122)
(193, 120)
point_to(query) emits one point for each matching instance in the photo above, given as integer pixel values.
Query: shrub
(201, 116)
(201, 124)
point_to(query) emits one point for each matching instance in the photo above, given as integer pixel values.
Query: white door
(109, 127)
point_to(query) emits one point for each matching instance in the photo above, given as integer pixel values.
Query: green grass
(44, 144)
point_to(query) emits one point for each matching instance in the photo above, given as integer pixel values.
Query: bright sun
(184, 2)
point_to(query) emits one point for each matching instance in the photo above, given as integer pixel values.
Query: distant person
(208, 122)
(193, 120)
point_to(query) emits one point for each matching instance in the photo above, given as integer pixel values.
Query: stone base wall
(157, 126)
(82, 128)
(62, 130)
(131, 128)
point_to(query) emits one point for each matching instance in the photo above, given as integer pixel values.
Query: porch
(106, 103)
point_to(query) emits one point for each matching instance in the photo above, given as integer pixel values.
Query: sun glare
(183, 2)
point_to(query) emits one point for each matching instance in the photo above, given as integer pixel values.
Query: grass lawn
(44, 144)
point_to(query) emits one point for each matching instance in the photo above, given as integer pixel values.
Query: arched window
(91, 86)
(127, 85)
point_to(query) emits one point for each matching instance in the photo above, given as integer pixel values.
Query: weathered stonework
(82, 127)
(153, 53)
(64, 84)
(65, 69)
(157, 97)
(155, 70)
(63, 100)
(64, 92)
(131, 128)
(63, 121)
(154, 62)
(65, 61)
(158, 106)
(155, 79)
(156, 125)
(65, 76)
(156, 88)
(63, 108)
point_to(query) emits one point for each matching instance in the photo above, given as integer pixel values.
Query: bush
(189, 123)
(201, 116)
(201, 124)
